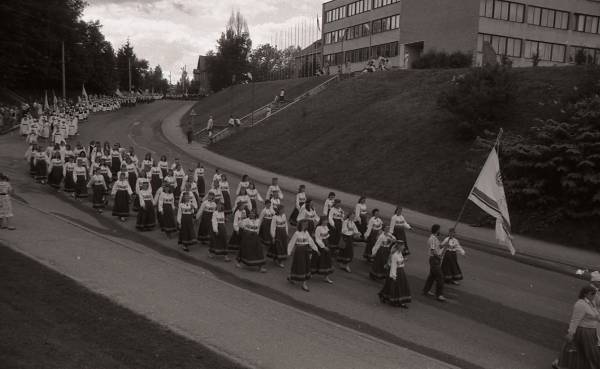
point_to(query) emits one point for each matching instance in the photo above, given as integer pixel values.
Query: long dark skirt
(81, 187)
(346, 253)
(587, 355)
(115, 166)
(335, 233)
(254, 205)
(300, 264)
(41, 170)
(373, 236)
(311, 228)
(396, 292)
(121, 204)
(294, 216)
(164, 172)
(251, 250)
(265, 231)
(167, 219)
(56, 176)
(400, 233)
(32, 169)
(450, 267)
(69, 182)
(321, 263)
(98, 192)
(362, 226)
(379, 269)
(226, 202)
(146, 217)
(177, 189)
(155, 183)
(132, 179)
(187, 235)
(571, 358)
(278, 249)
(205, 229)
(218, 241)
(201, 186)
(235, 240)
(136, 202)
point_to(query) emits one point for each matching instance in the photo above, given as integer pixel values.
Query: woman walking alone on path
(374, 228)
(349, 233)
(6, 212)
(300, 200)
(361, 216)
(321, 262)
(299, 248)
(399, 226)
(450, 268)
(279, 234)
(381, 254)
(218, 240)
(205, 214)
(251, 250)
(185, 223)
(121, 193)
(396, 290)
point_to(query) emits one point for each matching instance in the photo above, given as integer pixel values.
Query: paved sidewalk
(535, 252)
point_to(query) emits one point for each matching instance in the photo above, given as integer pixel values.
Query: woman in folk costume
(179, 175)
(266, 217)
(207, 208)
(98, 186)
(132, 172)
(300, 200)
(361, 217)
(80, 176)
(398, 226)
(279, 234)
(243, 198)
(69, 153)
(191, 186)
(381, 254)
(68, 170)
(216, 192)
(374, 229)
(299, 248)
(199, 179)
(124, 172)
(163, 164)
(170, 179)
(254, 195)
(121, 193)
(346, 250)
(244, 183)
(185, 222)
(115, 157)
(139, 183)
(56, 170)
(146, 164)
(104, 170)
(450, 268)
(274, 192)
(321, 263)
(6, 212)
(156, 177)
(236, 236)
(133, 156)
(45, 131)
(328, 204)
(218, 239)
(24, 126)
(41, 162)
(217, 175)
(146, 218)
(310, 215)
(251, 252)
(166, 211)
(396, 290)
(30, 158)
(224, 188)
(335, 219)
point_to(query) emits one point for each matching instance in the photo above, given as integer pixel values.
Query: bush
(478, 98)
(439, 59)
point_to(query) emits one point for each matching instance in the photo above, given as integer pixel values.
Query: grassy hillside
(237, 100)
(383, 135)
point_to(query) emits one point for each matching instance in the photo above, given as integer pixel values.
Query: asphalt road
(504, 315)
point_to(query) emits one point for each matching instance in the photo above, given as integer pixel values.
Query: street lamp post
(64, 82)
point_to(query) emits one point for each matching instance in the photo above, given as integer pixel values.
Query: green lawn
(383, 135)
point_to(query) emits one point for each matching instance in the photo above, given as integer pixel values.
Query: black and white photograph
(299, 184)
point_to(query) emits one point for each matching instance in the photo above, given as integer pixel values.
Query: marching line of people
(183, 202)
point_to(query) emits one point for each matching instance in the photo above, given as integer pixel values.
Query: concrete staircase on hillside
(259, 116)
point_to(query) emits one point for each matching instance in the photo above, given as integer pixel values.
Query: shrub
(439, 59)
(478, 98)
(580, 57)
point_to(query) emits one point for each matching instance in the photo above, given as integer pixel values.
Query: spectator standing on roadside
(209, 126)
(5, 203)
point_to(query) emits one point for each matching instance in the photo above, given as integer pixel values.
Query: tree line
(32, 33)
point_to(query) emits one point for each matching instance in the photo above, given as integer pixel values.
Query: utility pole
(129, 68)
(64, 84)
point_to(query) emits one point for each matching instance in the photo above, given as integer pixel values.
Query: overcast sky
(173, 33)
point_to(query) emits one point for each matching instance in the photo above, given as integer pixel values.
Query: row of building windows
(592, 56)
(502, 45)
(587, 23)
(547, 17)
(388, 50)
(355, 8)
(362, 30)
(515, 47)
(503, 10)
(545, 51)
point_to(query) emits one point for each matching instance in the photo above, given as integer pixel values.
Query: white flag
(118, 93)
(83, 93)
(488, 194)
